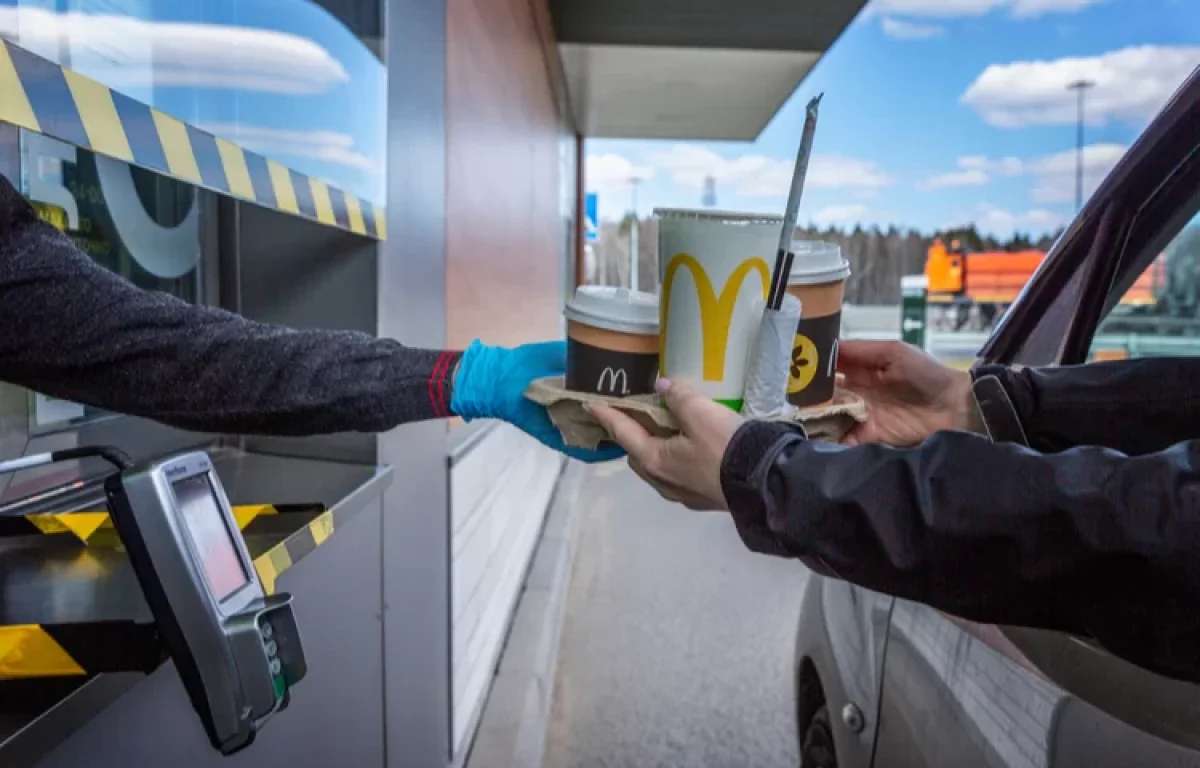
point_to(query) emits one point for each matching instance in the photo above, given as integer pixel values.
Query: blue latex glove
(491, 384)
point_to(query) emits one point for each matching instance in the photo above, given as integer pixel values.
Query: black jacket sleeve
(72, 329)
(1133, 406)
(1088, 540)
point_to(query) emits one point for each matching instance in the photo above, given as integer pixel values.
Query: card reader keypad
(267, 632)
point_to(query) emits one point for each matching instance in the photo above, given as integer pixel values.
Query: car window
(1155, 306)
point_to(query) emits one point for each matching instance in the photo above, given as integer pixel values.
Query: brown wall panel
(505, 221)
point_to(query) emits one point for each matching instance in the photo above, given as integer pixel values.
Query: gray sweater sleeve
(72, 329)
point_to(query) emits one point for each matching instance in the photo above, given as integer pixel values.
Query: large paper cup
(818, 279)
(715, 273)
(612, 341)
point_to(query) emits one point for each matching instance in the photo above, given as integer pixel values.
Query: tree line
(878, 257)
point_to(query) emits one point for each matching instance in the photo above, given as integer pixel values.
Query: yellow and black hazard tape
(72, 650)
(95, 527)
(271, 564)
(39, 95)
(69, 650)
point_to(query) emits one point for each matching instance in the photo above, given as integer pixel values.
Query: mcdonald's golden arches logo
(716, 310)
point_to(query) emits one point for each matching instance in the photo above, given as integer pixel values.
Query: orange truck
(971, 290)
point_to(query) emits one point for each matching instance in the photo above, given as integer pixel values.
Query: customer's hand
(685, 468)
(491, 383)
(909, 394)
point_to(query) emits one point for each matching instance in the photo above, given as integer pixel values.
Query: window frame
(1161, 220)
(1057, 314)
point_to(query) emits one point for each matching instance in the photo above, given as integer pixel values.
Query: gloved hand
(491, 384)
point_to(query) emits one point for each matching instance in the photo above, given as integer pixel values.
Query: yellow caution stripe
(65, 650)
(271, 564)
(88, 526)
(41, 96)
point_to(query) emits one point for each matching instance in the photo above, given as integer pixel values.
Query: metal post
(634, 261)
(914, 295)
(1079, 86)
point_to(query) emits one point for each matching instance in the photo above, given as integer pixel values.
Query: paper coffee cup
(715, 273)
(818, 279)
(612, 341)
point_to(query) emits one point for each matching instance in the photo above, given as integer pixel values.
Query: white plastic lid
(614, 309)
(724, 217)
(817, 262)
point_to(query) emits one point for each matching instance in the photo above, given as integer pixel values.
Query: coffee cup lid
(723, 217)
(614, 309)
(817, 262)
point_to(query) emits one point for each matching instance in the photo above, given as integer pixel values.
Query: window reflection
(300, 81)
(140, 225)
(1159, 316)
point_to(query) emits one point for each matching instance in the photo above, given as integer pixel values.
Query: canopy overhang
(690, 69)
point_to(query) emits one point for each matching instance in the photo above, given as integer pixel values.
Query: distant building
(710, 192)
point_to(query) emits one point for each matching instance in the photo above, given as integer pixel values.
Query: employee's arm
(74, 330)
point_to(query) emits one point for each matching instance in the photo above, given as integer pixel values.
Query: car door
(956, 693)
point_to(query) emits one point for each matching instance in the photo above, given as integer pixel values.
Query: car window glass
(1158, 314)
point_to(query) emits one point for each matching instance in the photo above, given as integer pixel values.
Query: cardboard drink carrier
(828, 422)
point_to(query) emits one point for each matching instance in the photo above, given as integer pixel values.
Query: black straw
(783, 257)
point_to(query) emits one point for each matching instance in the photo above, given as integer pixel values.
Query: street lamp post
(1080, 87)
(634, 261)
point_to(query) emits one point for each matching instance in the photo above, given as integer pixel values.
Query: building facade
(408, 168)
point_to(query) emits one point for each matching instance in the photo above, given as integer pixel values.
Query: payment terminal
(236, 648)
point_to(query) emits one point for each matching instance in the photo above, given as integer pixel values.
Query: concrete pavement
(677, 643)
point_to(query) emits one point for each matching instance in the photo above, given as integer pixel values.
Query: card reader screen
(212, 538)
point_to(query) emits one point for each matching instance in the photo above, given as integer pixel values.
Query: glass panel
(1159, 315)
(143, 226)
(285, 78)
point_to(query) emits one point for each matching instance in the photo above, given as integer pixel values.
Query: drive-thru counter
(77, 630)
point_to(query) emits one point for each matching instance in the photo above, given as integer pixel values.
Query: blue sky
(939, 112)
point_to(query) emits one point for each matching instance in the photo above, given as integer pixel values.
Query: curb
(512, 729)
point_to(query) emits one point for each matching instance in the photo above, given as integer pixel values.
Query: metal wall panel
(412, 307)
(499, 493)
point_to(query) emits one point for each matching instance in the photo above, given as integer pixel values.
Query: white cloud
(993, 220)
(841, 214)
(1055, 174)
(1130, 84)
(975, 8)
(1027, 9)
(964, 177)
(753, 175)
(973, 170)
(910, 30)
(328, 146)
(613, 172)
(139, 53)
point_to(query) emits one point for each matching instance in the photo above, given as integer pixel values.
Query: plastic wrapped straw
(765, 395)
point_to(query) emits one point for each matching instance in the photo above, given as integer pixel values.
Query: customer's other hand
(909, 394)
(687, 467)
(491, 384)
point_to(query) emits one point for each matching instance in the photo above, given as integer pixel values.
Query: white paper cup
(715, 272)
